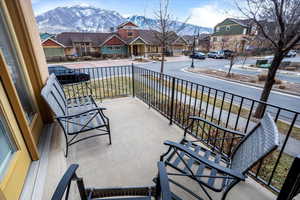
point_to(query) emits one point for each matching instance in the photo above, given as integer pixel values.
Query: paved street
(175, 69)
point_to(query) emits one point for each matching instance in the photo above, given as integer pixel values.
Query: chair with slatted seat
(76, 115)
(159, 191)
(210, 169)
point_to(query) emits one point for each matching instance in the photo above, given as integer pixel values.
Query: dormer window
(130, 34)
(227, 28)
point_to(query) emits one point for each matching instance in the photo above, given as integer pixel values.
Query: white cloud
(210, 15)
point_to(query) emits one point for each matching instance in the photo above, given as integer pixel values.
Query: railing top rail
(226, 92)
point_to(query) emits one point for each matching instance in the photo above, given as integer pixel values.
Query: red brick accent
(114, 41)
(124, 33)
(49, 42)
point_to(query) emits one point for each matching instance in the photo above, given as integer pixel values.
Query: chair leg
(108, 128)
(67, 145)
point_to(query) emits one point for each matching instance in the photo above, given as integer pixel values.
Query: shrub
(263, 77)
(282, 87)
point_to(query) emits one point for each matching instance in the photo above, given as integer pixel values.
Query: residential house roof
(68, 38)
(98, 39)
(242, 22)
(190, 38)
(45, 36)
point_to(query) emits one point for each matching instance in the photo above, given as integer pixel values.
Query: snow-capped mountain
(189, 29)
(91, 19)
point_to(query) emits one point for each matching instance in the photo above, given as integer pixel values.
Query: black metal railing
(176, 99)
(105, 82)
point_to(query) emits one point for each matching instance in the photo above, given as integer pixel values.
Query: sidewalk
(116, 62)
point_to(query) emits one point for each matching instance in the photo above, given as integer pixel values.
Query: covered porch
(138, 134)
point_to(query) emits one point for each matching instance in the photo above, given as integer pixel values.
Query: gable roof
(179, 38)
(190, 38)
(127, 23)
(135, 39)
(242, 22)
(56, 42)
(45, 36)
(68, 38)
(110, 37)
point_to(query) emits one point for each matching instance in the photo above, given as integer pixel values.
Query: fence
(176, 99)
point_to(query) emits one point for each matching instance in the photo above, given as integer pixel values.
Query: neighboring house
(51, 47)
(202, 42)
(231, 34)
(128, 40)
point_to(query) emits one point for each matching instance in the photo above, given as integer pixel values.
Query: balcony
(146, 108)
(138, 134)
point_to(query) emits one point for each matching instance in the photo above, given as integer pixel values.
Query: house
(202, 42)
(127, 41)
(51, 47)
(231, 34)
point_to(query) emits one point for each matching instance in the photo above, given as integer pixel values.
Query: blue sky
(200, 12)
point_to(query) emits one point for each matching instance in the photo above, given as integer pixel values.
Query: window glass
(7, 147)
(10, 55)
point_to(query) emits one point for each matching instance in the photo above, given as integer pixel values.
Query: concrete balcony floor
(138, 134)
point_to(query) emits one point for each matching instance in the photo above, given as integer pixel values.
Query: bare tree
(166, 30)
(278, 21)
(234, 58)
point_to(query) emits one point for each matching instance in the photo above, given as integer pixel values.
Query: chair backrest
(258, 143)
(54, 96)
(162, 186)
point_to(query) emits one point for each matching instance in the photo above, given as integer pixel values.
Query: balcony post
(132, 76)
(291, 185)
(172, 100)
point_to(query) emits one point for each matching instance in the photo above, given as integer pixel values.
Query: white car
(291, 53)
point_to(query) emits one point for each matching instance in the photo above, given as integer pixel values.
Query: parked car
(227, 53)
(66, 75)
(291, 53)
(216, 54)
(198, 55)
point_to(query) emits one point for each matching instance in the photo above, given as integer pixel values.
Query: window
(227, 28)
(217, 29)
(244, 31)
(9, 51)
(7, 147)
(130, 34)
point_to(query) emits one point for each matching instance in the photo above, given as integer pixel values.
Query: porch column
(145, 50)
(131, 50)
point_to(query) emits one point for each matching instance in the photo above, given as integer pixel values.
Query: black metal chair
(209, 167)
(75, 115)
(160, 191)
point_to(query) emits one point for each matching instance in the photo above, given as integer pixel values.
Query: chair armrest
(78, 114)
(65, 182)
(225, 170)
(163, 182)
(215, 125)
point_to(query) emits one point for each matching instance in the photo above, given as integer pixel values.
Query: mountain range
(91, 19)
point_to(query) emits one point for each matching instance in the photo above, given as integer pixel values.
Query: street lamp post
(193, 53)
(193, 49)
